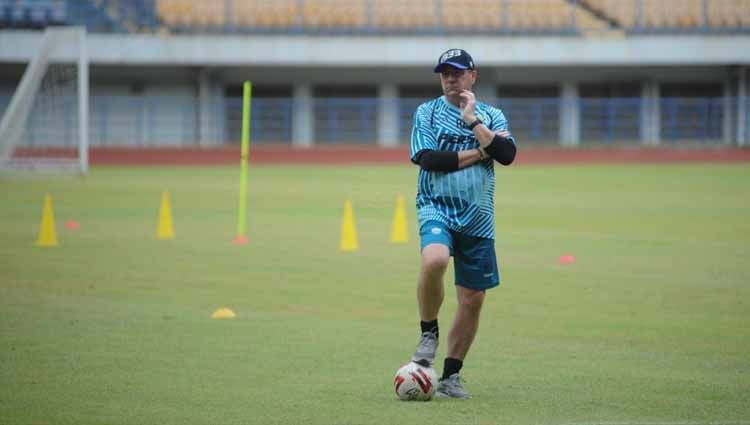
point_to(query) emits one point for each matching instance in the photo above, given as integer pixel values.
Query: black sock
(430, 326)
(451, 366)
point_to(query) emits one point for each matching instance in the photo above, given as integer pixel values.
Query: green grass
(650, 325)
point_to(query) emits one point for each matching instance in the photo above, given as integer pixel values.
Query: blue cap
(457, 58)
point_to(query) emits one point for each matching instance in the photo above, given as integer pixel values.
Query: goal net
(44, 127)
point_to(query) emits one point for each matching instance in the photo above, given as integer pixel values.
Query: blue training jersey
(464, 199)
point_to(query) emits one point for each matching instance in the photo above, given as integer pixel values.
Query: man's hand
(467, 105)
(503, 133)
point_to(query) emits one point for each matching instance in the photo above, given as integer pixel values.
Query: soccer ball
(414, 382)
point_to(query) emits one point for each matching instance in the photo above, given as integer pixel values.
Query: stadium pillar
(387, 115)
(302, 116)
(206, 110)
(650, 114)
(742, 107)
(570, 116)
(727, 108)
(486, 93)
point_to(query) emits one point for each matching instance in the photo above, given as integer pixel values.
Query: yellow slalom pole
(247, 91)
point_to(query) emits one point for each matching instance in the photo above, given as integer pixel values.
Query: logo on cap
(457, 58)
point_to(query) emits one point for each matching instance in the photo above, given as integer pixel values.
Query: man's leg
(435, 258)
(460, 338)
(465, 322)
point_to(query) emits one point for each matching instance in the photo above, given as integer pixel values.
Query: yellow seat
(673, 13)
(333, 14)
(263, 14)
(541, 15)
(397, 14)
(471, 14)
(729, 13)
(175, 12)
(623, 12)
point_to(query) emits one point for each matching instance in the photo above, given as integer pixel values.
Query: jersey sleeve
(422, 135)
(499, 122)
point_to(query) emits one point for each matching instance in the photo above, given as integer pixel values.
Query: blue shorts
(474, 260)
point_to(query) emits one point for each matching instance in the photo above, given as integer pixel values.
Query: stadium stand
(263, 14)
(183, 13)
(380, 15)
(621, 13)
(479, 14)
(729, 13)
(394, 15)
(551, 15)
(334, 14)
(672, 14)
(534, 16)
(32, 14)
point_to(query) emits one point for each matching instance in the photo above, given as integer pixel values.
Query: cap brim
(440, 67)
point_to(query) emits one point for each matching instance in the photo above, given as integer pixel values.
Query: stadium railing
(148, 121)
(610, 120)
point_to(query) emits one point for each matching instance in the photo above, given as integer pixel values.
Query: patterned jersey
(463, 199)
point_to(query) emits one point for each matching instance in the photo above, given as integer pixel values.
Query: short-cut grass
(651, 324)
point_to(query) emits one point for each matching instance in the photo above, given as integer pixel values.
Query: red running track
(342, 155)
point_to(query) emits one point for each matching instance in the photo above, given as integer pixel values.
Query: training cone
(240, 240)
(399, 230)
(223, 313)
(165, 230)
(348, 229)
(47, 232)
(567, 259)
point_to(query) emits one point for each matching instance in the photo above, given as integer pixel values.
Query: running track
(342, 155)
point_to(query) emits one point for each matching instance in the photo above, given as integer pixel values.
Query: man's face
(455, 80)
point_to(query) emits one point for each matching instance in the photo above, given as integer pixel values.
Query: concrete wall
(306, 51)
(170, 89)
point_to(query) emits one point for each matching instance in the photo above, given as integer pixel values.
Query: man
(455, 140)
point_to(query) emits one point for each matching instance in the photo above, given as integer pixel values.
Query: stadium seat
(265, 15)
(453, 15)
(472, 14)
(333, 14)
(31, 13)
(175, 12)
(540, 15)
(670, 14)
(622, 12)
(666, 14)
(729, 13)
(399, 15)
(209, 14)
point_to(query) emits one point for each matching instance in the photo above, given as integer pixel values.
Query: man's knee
(471, 299)
(435, 258)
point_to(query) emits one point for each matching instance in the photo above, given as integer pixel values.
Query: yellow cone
(223, 313)
(165, 230)
(47, 232)
(400, 228)
(348, 230)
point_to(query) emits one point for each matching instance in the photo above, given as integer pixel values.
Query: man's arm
(502, 149)
(496, 145)
(431, 160)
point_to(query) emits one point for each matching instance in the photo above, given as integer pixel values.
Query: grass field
(650, 325)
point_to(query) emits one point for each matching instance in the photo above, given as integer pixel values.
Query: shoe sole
(443, 395)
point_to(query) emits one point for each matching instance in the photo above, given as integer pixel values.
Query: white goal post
(52, 98)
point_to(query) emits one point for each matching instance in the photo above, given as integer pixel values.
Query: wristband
(475, 123)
